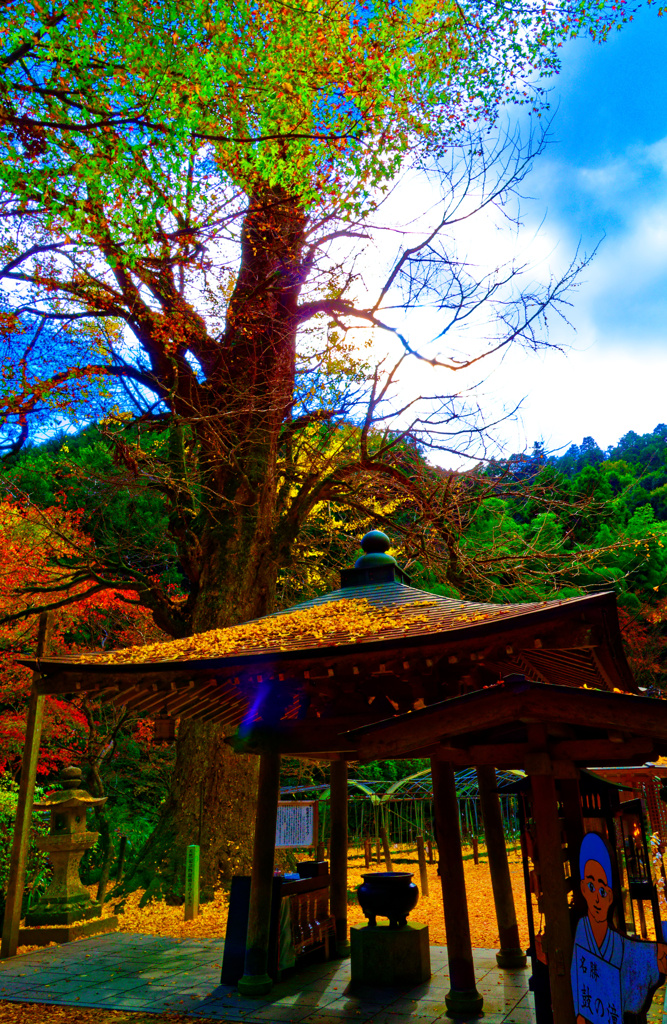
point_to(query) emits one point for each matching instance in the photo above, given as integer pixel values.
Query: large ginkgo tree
(192, 238)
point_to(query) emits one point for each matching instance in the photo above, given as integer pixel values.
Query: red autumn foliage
(34, 545)
(645, 645)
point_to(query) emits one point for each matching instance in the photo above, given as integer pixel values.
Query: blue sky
(603, 179)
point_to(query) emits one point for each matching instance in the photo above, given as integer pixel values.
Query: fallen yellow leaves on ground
(37, 1013)
(160, 919)
(429, 910)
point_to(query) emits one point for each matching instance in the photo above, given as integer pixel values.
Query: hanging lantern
(164, 728)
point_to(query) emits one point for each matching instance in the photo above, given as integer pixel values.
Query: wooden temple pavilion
(379, 669)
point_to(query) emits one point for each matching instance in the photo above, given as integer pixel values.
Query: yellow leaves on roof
(350, 620)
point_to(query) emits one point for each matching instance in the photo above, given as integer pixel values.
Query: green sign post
(191, 883)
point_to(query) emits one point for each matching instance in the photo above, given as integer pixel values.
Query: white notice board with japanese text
(297, 823)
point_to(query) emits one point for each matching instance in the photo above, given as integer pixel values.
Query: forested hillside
(609, 514)
(537, 525)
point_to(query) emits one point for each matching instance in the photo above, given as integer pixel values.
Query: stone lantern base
(65, 910)
(66, 933)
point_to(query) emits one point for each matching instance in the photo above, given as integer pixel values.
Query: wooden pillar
(570, 798)
(510, 953)
(421, 860)
(557, 932)
(463, 998)
(385, 849)
(338, 850)
(26, 795)
(256, 980)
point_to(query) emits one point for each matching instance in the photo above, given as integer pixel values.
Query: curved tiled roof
(355, 616)
(352, 655)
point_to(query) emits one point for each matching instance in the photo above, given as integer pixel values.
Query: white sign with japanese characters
(297, 824)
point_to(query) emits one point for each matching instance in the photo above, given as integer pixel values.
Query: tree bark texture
(205, 765)
(243, 539)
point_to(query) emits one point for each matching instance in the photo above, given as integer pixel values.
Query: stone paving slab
(153, 974)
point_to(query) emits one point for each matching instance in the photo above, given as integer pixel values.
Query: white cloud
(611, 379)
(602, 392)
(656, 154)
(605, 183)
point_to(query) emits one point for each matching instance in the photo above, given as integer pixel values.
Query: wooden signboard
(297, 824)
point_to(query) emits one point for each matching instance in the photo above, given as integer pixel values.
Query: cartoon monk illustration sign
(611, 975)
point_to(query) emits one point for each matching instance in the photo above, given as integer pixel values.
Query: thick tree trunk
(239, 568)
(239, 543)
(212, 796)
(211, 803)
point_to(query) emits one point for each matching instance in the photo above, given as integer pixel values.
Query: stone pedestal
(42, 936)
(391, 957)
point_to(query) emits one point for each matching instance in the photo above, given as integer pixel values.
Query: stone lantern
(66, 910)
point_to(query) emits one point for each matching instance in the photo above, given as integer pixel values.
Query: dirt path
(36, 1013)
